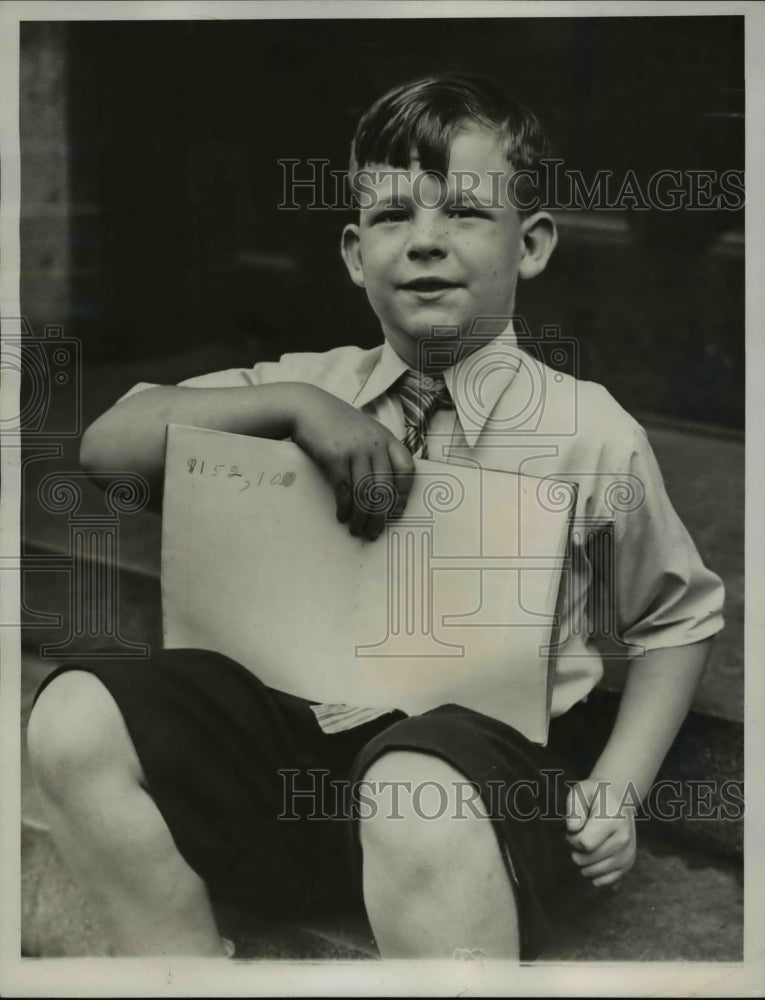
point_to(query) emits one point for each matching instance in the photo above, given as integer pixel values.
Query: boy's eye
(391, 215)
(465, 212)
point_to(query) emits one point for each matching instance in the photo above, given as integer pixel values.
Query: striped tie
(421, 395)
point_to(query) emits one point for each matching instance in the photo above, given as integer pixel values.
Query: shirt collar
(388, 369)
(475, 383)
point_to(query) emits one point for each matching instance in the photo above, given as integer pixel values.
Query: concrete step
(670, 907)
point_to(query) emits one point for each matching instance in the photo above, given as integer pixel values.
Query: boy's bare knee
(420, 815)
(77, 731)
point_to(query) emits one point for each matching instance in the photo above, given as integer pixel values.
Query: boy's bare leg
(437, 887)
(108, 828)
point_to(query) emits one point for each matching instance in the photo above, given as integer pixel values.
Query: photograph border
(197, 977)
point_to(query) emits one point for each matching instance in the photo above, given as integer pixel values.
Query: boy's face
(433, 256)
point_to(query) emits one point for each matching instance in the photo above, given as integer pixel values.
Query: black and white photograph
(379, 418)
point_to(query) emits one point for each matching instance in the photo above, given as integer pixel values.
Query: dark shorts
(260, 801)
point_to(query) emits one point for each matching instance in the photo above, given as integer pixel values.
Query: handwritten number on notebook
(196, 467)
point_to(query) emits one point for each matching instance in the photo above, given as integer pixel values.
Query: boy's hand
(369, 469)
(601, 831)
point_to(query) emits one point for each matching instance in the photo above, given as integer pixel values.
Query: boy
(161, 778)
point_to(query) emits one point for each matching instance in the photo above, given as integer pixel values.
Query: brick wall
(45, 203)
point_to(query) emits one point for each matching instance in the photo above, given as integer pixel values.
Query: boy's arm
(131, 435)
(349, 446)
(659, 691)
(657, 696)
(662, 592)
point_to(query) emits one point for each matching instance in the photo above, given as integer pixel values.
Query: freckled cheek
(377, 268)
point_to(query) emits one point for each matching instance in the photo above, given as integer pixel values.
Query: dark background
(176, 241)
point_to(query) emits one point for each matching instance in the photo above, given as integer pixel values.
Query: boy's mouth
(429, 284)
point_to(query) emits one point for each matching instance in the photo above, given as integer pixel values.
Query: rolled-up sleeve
(230, 378)
(339, 371)
(665, 595)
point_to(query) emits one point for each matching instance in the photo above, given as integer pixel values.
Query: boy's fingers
(380, 495)
(610, 879)
(341, 478)
(617, 862)
(577, 808)
(402, 468)
(604, 850)
(361, 478)
(593, 834)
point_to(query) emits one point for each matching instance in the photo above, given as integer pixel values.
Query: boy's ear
(351, 253)
(540, 237)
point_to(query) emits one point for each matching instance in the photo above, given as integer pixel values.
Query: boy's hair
(422, 117)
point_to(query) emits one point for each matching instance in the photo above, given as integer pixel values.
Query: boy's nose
(426, 243)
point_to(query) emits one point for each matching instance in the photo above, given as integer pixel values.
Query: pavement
(683, 899)
(670, 907)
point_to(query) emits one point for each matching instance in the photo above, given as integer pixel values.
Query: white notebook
(455, 602)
